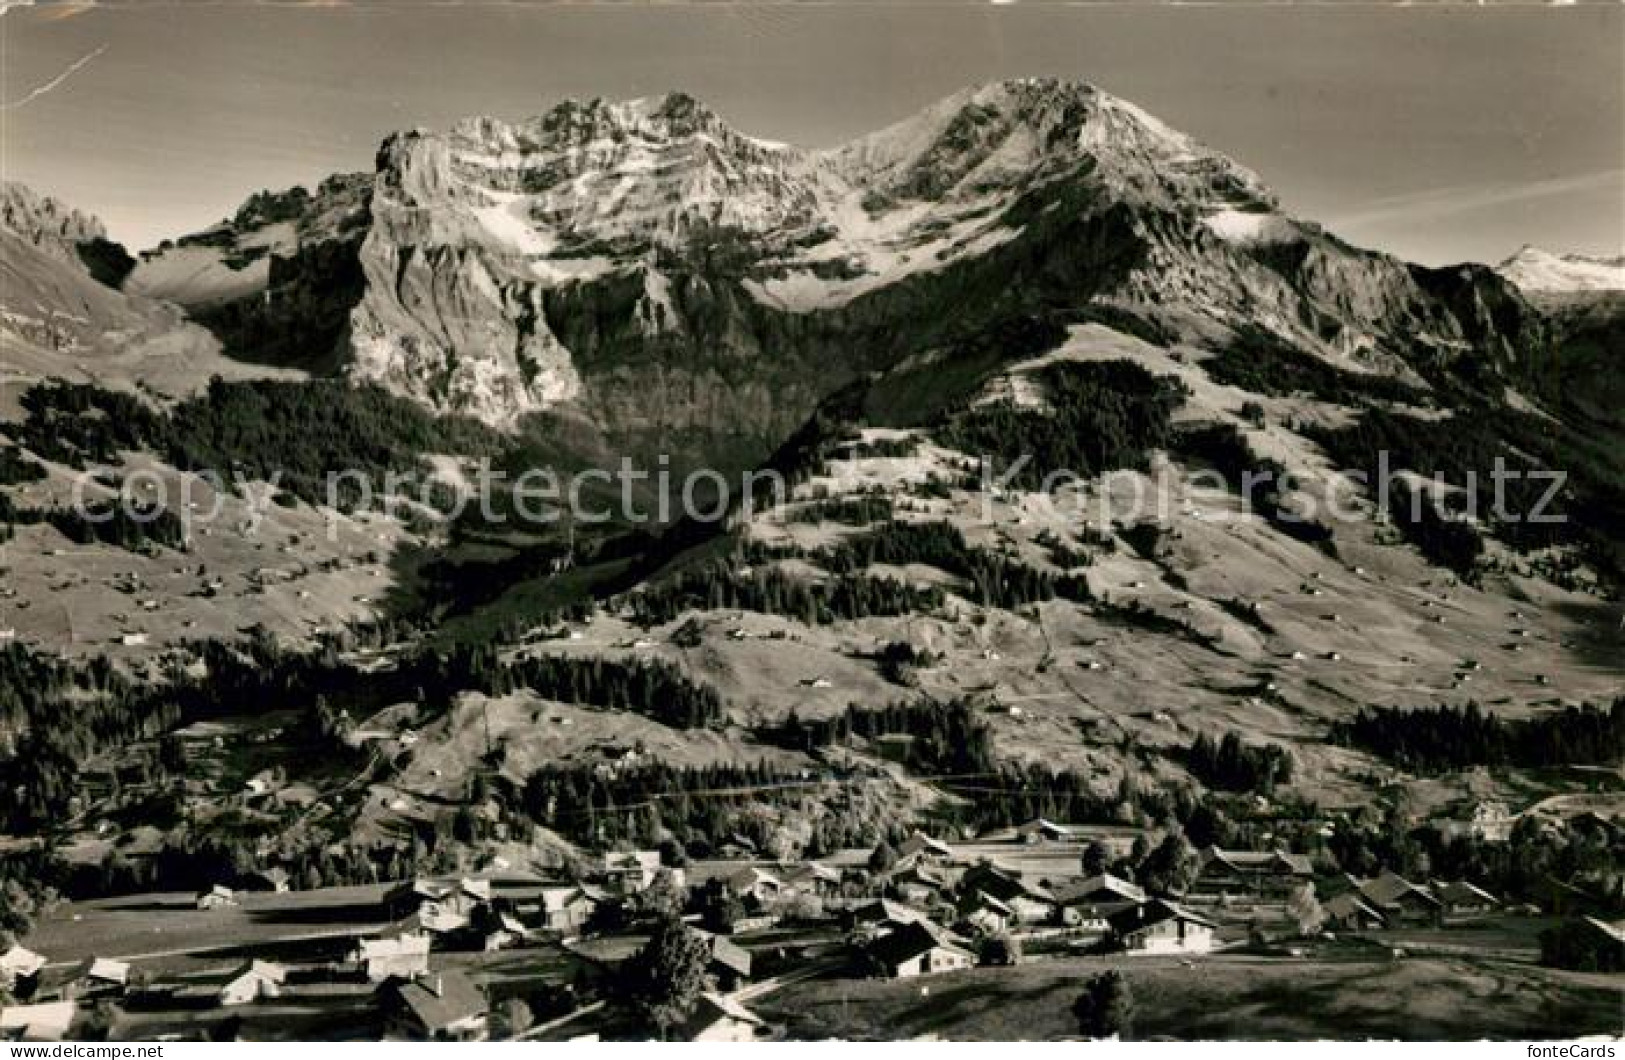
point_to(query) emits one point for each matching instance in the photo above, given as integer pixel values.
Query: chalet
(218, 897)
(407, 899)
(1267, 874)
(719, 1018)
(1399, 899)
(442, 1006)
(255, 981)
(1099, 889)
(495, 930)
(47, 1022)
(813, 878)
(565, 909)
(984, 913)
(1160, 926)
(1031, 904)
(917, 949)
(401, 955)
(1039, 830)
(630, 871)
(919, 883)
(19, 968)
(756, 885)
(1091, 902)
(921, 847)
(1350, 912)
(883, 916)
(1461, 898)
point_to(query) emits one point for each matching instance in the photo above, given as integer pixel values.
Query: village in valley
(628, 944)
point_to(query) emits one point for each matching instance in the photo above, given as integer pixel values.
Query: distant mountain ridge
(646, 276)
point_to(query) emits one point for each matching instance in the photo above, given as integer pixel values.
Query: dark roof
(1157, 910)
(1391, 889)
(884, 910)
(906, 943)
(1002, 885)
(1259, 861)
(1103, 887)
(439, 1000)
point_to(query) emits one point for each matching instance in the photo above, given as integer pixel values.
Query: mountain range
(644, 275)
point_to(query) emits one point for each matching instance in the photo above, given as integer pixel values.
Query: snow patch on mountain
(1541, 271)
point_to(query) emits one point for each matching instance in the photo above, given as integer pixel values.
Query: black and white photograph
(794, 521)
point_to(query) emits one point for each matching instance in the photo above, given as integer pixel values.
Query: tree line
(945, 737)
(1101, 416)
(1228, 764)
(1446, 738)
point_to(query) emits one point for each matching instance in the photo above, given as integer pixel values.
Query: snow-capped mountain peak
(515, 267)
(1541, 271)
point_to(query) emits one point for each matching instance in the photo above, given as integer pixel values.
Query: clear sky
(1438, 132)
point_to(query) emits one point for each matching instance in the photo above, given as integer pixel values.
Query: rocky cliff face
(660, 279)
(677, 281)
(58, 276)
(45, 223)
(276, 281)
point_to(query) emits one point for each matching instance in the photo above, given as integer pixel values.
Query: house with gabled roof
(984, 914)
(812, 877)
(1031, 903)
(254, 981)
(1400, 899)
(755, 884)
(439, 1006)
(921, 846)
(1348, 911)
(566, 908)
(1101, 888)
(719, 1018)
(730, 962)
(1161, 926)
(629, 871)
(1464, 898)
(882, 915)
(1090, 902)
(918, 949)
(1269, 874)
(919, 884)
(398, 954)
(1041, 830)
(406, 899)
